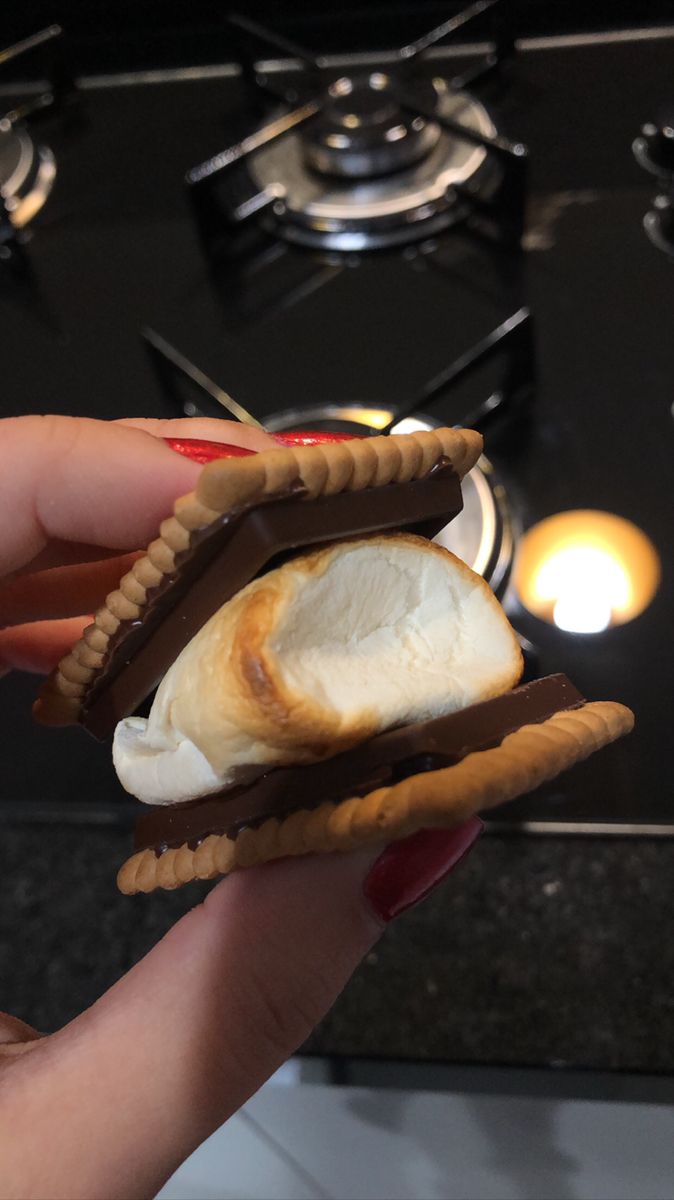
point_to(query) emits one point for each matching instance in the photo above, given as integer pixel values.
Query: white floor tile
(238, 1163)
(298, 1141)
(367, 1144)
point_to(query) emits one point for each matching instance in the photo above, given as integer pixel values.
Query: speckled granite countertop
(538, 951)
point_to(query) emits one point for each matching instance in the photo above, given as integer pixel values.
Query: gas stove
(367, 158)
(466, 233)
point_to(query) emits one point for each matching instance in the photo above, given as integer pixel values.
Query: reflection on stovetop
(283, 326)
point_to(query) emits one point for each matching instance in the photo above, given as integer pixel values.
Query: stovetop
(115, 249)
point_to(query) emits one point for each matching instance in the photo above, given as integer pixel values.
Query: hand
(110, 1105)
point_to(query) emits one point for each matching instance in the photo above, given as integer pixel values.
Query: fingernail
(202, 451)
(312, 437)
(408, 870)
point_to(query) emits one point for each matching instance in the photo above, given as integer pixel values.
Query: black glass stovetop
(115, 249)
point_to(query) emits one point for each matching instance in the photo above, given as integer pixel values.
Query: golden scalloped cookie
(524, 759)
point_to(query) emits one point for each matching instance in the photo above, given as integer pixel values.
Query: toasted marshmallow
(314, 657)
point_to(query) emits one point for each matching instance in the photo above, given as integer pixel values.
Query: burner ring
(482, 534)
(27, 173)
(659, 224)
(363, 132)
(654, 149)
(418, 201)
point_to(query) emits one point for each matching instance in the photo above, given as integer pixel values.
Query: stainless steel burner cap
(481, 535)
(321, 209)
(362, 130)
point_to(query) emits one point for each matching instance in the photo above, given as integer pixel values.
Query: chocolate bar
(383, 760)
(232, 551)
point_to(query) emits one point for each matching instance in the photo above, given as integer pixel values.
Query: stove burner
(376, 209)
(27, 173)
(363, 131)
(27, 169)
(370, 159)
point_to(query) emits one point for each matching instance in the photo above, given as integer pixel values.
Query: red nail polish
(312, 437)
(200, 450)
(408, 870)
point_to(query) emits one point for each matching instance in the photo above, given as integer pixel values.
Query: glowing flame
(585, 586)
(586, 570)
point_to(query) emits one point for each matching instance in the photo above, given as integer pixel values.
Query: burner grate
(366, 160)
(484, 536)
(512, 340)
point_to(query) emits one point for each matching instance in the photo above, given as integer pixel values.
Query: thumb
(112, 1104)
(132, 1086)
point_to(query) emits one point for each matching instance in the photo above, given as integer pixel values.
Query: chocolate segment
(383, 760)
(231, 552)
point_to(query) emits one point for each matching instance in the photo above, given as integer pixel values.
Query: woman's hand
(78, 500)
(110, 1105)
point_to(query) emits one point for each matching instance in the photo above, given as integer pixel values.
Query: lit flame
(586, 570)
(586, 586)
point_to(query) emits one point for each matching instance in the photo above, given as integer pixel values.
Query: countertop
(539, 951)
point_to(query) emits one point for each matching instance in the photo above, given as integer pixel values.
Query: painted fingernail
(312, 437)
(408, 870)
(201, 451)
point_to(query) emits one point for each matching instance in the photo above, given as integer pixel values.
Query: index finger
(81, 480)
(208, 428)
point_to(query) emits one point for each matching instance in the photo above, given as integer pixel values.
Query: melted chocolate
(234, 550)
(383, 760)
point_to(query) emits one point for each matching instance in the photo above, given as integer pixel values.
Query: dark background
(133, 34)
